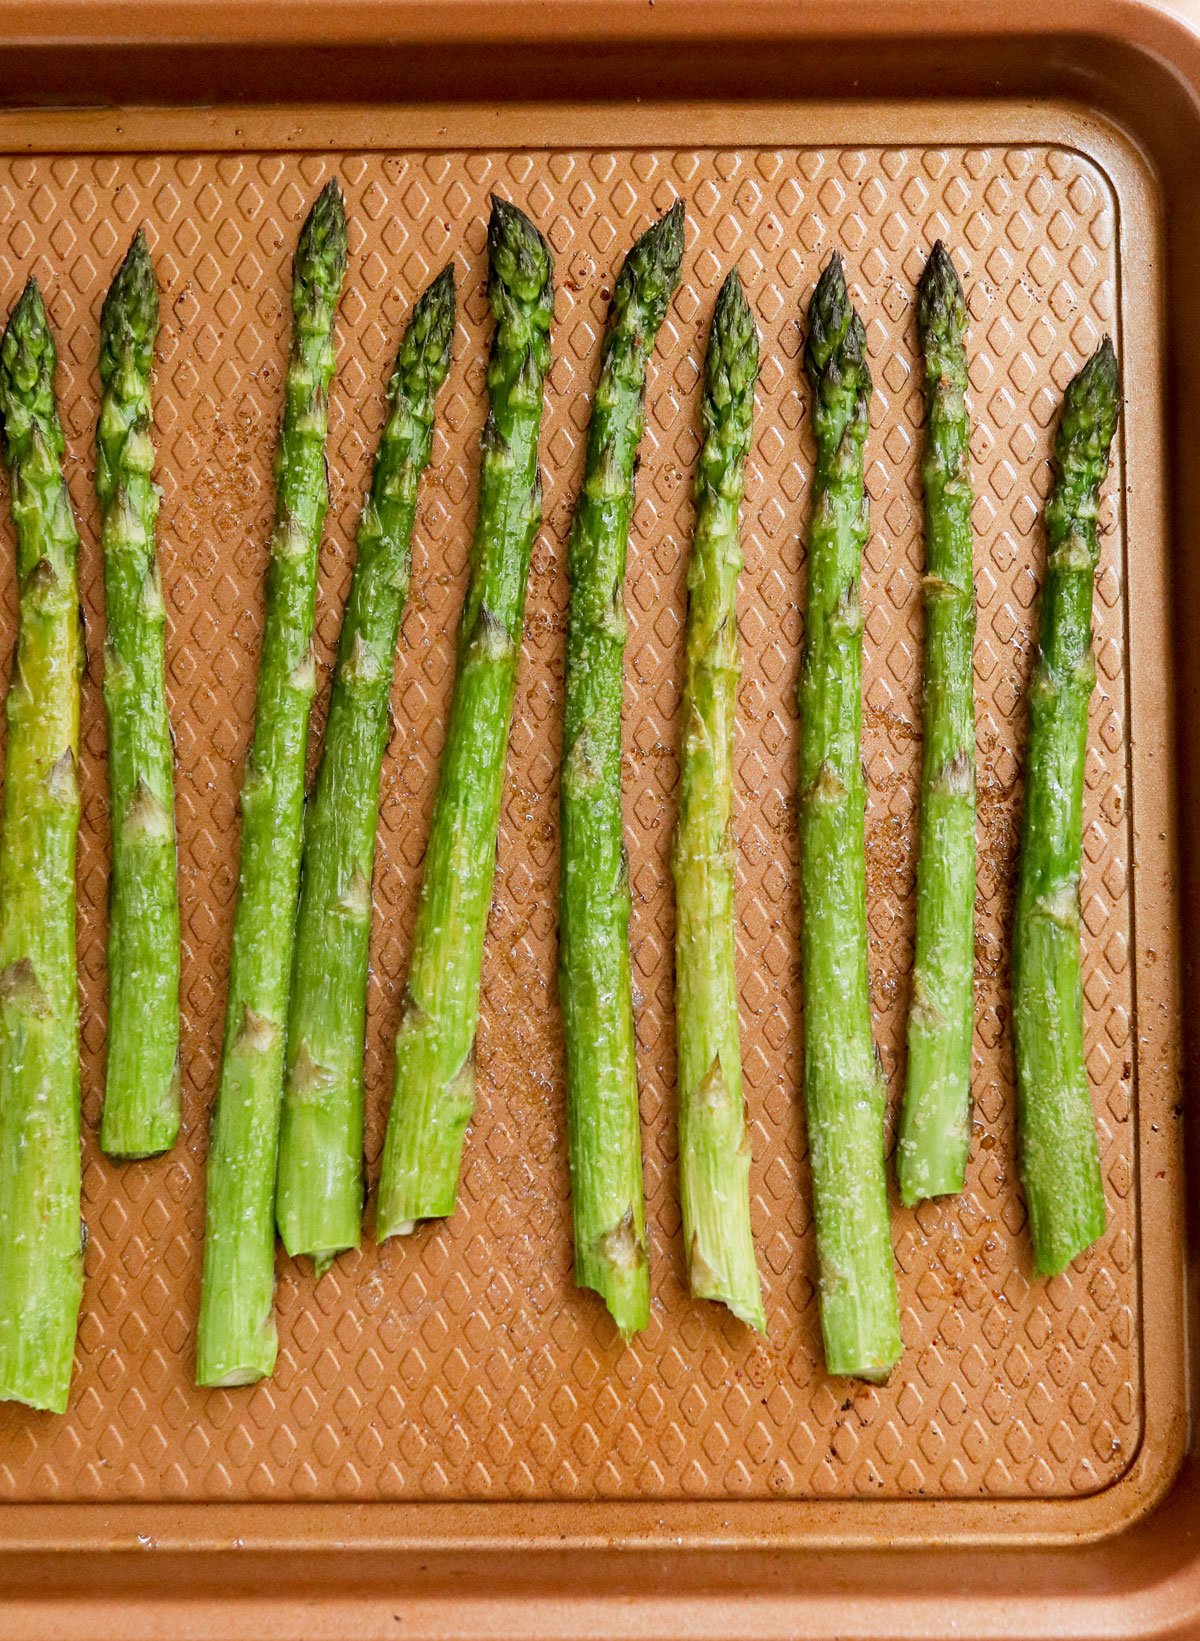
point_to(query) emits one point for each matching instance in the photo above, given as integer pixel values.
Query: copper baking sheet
(454, 1388)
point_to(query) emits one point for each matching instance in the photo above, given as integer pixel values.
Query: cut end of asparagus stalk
(320, 265)
(129, 317)
(617, 1269)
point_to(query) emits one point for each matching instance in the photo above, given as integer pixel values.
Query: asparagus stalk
(714, 1148)
(931, 1157)
(434, 1092)
(319, 1192)
(594, 978)
(141, 1095)
(237, 1339)
(41, 1262)
(843, 1080)
(1060, 1156)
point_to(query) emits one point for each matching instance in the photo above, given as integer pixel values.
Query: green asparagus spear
(237, 1339)
(594, 979)
(714, 1148)
(434, 1093)
(931, 1157)
(843, 1081)
(141, 1095)
(41, 1263)
(319, 1194)
(1060, 1156)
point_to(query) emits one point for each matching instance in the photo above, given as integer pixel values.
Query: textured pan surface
(461, 1364)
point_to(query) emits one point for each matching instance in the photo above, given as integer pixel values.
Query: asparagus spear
(41, 1263)
(843, 1080)
(141, 1096)
(931, 1156)
(1060, 1156)
(237, 1339)
(714, 1148)
(319, 1190)
(594, 904)
(434, 1092)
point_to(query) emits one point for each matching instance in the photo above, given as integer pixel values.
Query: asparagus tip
(29, 311)
(733, 327)
(1090, 407)
(666, 236)
(27, 356)
(941, 304)
(129, 317)
(651, 269)
(321, 247)
(425, 347)
(433, 311)
(519, 255)
(836, 342)
(1100, 375)
(731, 365)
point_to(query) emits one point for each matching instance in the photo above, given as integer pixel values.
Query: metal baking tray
(455, 1442)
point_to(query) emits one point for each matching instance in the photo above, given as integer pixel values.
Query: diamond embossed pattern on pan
(462, 1362)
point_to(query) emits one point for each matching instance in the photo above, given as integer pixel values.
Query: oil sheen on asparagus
(714, 1146)
(319, 1192)
(237, 1337)
(434, 1091)
(931, 1156)
(141, 1088)
(1059, 1153)
(41, 1260)
(594, 979)
(843, 1081)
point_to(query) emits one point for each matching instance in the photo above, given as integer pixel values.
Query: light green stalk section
(319, 1192)
(843, 1081)
(594, 979)
(935, 1121)
(1060, 1156)
(237, 1340)
(714, 1146)
(434, 1093)
(141, 1091)
(41, 1260)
